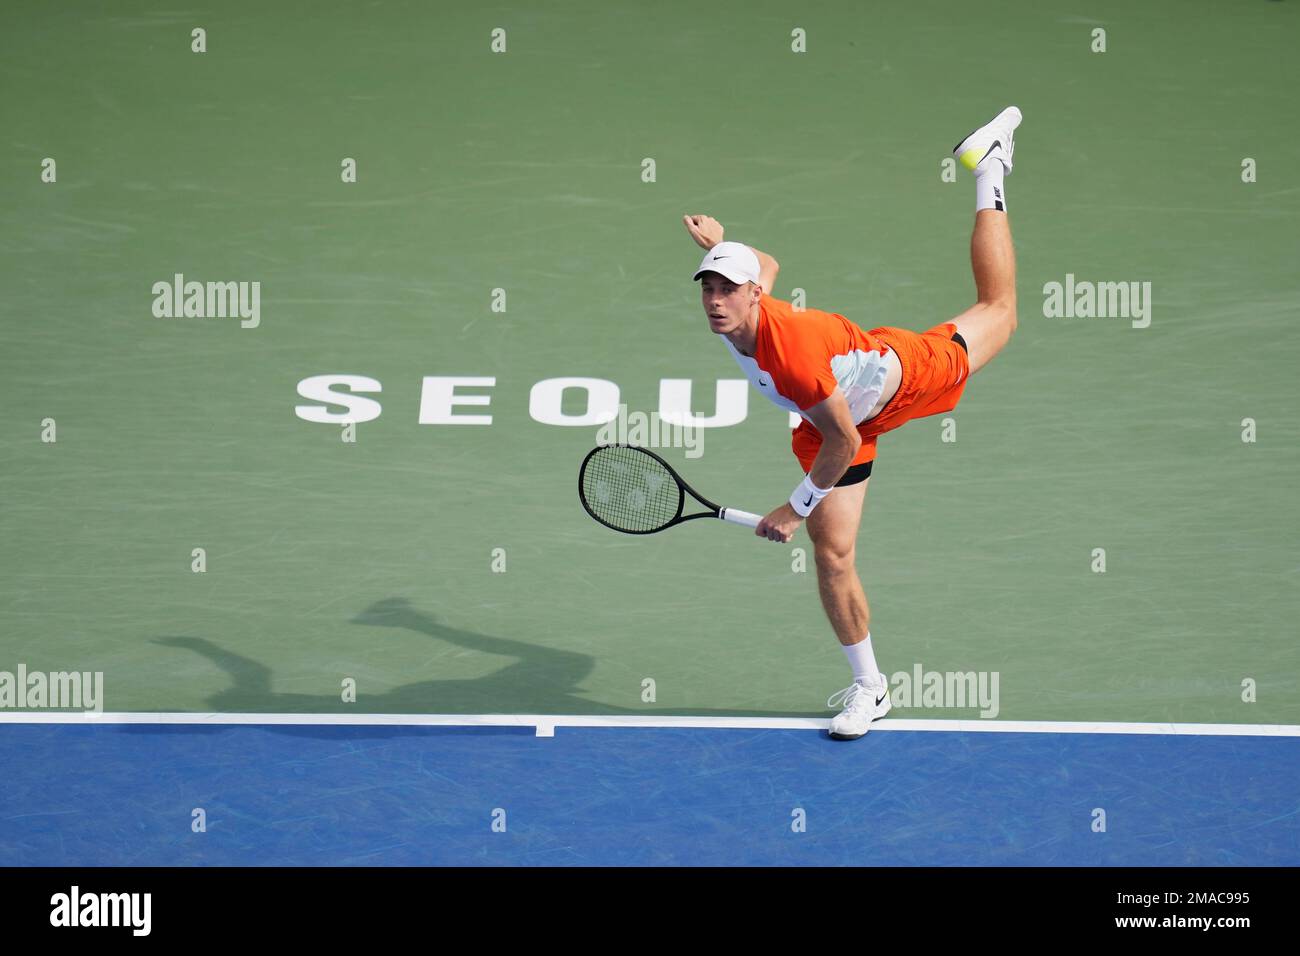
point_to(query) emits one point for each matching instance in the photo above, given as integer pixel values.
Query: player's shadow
(539, 680)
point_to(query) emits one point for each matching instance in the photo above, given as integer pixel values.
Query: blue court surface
(125, 794)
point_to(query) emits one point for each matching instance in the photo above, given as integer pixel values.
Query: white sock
(989, 192)
(862, 659)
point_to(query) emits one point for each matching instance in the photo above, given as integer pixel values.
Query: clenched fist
(780, 525)
(705, 230)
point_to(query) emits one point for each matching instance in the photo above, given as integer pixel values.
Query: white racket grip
(736, 516)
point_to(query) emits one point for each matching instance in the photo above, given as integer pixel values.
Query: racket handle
(735, 516)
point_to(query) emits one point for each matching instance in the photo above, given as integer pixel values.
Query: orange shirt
(801, 357)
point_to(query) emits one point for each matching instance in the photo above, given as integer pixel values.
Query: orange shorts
(935, 369)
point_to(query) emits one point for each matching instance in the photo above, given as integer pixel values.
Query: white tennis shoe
(863, 703)
(995, 140)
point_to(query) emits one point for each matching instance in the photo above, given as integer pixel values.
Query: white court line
(545, 724)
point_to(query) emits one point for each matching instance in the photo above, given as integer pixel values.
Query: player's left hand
(780, 525)
(705, 230)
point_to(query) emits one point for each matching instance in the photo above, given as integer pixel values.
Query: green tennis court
(515, 219)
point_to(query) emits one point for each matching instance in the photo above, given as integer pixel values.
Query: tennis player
(850, 386)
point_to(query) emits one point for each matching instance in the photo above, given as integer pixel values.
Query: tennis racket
(630, 489)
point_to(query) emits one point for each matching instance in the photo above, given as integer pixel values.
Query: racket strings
(630, 490)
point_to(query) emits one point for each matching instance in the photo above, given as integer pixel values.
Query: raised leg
(987, 325)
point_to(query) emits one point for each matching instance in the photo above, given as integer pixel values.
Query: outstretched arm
(770, 267)
(708, 232)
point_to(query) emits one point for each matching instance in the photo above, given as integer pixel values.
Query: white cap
(735, 260)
